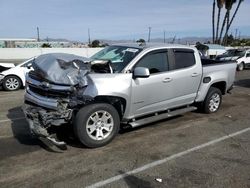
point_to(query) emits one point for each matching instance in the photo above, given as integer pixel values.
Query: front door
(150, 94)
(174, 80)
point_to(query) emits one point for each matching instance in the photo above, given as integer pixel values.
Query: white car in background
(14, 78)
(243, 61)
(241, 56)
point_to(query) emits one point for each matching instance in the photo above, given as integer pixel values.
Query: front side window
(184, 59)
(119, 56)
(155, 62)
(248, 55)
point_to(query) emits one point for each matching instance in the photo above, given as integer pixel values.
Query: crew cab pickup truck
(121, 85)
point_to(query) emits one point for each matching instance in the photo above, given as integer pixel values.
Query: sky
(112, 19)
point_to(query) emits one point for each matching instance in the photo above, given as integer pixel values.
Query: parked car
(13, 78)
(244, 61)
(122, 84)
(242, 56)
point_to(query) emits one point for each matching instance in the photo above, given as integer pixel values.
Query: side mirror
(141, 72)
(29, 66)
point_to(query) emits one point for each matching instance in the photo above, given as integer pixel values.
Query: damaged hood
(62, 68)
(6, 66)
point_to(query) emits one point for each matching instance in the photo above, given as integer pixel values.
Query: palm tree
(220, 4)
(213, 15)
(229, 5)
(235, 12)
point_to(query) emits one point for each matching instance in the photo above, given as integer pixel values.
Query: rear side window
(184, 58)
(155, 62)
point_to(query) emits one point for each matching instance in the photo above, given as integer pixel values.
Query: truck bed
(218, 72)
(211, 62)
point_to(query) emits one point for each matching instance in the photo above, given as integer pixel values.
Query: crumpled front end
(49, 104)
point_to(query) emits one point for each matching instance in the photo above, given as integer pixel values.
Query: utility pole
(149, 33)
(89, 35)
(164, 36)
(236, 32)
(38, 34)
(173, 39)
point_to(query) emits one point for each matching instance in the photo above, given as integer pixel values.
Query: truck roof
(152, 45)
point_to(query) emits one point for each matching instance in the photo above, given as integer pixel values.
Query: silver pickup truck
(121, 85)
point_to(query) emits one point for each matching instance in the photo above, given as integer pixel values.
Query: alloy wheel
(214, 102)
(100, 125)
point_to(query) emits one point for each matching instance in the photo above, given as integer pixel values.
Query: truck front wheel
(97, 124)
(212, 101)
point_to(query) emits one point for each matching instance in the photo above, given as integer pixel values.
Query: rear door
(186, 73)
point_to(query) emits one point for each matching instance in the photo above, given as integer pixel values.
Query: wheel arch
(119, 103)
(222, 85)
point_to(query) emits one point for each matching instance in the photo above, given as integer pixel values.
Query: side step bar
(166, 115)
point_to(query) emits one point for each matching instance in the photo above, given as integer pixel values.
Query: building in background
(33, 43)
(13, 42)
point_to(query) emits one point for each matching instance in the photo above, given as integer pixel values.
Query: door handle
(194, 74)
(167, 80)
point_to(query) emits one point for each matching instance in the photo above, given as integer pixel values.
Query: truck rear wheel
(97, 124)
(212, 101)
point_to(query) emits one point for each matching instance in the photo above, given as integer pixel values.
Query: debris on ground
(159, 180)
(229, 116)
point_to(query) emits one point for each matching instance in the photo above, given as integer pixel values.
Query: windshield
(239, 53)
(233, 52)
(119, 56)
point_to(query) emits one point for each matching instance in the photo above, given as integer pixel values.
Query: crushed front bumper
(40, 121)
(43, 113)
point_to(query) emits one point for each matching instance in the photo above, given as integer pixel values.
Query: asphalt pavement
(192, 150)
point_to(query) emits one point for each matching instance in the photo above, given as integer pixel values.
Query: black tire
(241, 66)
(85, 116)
(212, 92)
(16, 83)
